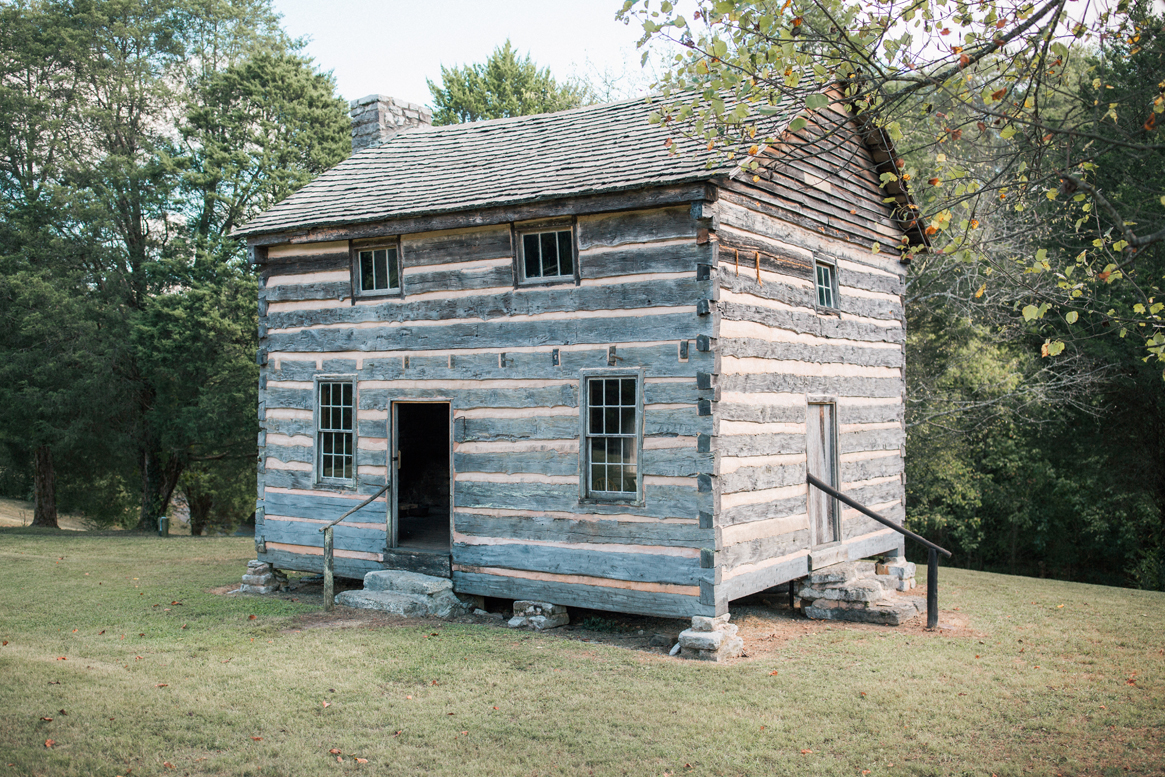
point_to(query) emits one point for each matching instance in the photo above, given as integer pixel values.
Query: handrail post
(932, 588)
(329, 569)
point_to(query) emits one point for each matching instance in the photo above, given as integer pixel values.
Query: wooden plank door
(821, 450)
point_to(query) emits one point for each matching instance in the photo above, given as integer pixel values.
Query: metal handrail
(932, 549)
(329, 561)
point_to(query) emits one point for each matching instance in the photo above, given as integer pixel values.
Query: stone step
(408, 605)
(892, 611)
(403, 582)
(840, 574)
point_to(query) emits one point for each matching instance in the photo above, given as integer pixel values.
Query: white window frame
(586, 494)
(521, 231)
(318, 423)
(831, 290)
(391, 245)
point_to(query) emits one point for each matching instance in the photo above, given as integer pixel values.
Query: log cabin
(591, 362)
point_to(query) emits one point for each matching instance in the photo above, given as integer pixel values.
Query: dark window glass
(826, 286)
(378, 270)
(548, 254)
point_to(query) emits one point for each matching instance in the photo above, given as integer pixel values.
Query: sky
(390, 47)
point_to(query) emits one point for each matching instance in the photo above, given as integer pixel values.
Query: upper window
(335, 444)
(378, 270)
(826, 286)
(547, 255)
(613, 436)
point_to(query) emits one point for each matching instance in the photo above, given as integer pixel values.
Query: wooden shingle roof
(427, 170)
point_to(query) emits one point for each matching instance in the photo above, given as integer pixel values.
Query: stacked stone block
(899, 570)
(378, 117)
(262, 578)
(538, 616)
(711, 639)
(408, 594)
(855, 591)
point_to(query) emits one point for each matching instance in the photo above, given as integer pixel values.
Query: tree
(503, 86)
(140, 134)
(989, 91)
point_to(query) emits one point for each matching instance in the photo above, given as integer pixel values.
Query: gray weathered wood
(594, 597)
(807, 297)
(811, 323)
(813, 384)
(448, 247)
(496, 334)
(761, 414)
(759, 478)
(349, 568)
(754, 582)
(636, 227)
(295, 292)
(754, 551)
(648, 258)
(458, 280)
(637, 567)
(659, 501)
(867, 469)
(759, 444)
(763, 511)
(747, 347)
(664, 533)
(872, 440)
(322, 507)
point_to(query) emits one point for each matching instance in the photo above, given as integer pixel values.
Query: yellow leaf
(982, 289)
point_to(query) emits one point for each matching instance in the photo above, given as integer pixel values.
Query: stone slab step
(893, 611)
(408, 605)
(842, 573)
(400, 581)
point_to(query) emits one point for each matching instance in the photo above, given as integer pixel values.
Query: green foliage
(137, 135)
(505, 85)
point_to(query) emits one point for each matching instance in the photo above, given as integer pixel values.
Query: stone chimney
(377, 117)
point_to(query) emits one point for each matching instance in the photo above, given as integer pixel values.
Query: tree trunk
(200, 505)
(45, 512)
(159, 478)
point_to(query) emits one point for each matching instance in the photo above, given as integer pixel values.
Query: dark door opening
(422, 455)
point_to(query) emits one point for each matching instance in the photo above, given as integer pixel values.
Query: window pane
(549, 254)
(596, 421)
(611, 420)
(611, 392)
(367, 281)
(596, 392)
(629, 480)
(380, 269)
(393, 280)
(598, 450)
(628, 391)
(346, 420)
(565, 254)
(346, 388)
(628, 424)
(598, 477)
(532, 257)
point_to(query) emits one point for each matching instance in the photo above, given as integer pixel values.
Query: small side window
(826, 286)
(377, 270)
(546, 255)
(613, 437)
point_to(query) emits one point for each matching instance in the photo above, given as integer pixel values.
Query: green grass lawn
(143, 671)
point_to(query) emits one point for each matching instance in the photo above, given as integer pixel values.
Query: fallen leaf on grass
(161, 685)
(339, 759)
(47, 720)
(397, 734)
(327, 704)
(225, 661)
(257, 739)
(54, 682)
(49, 742)
(167, 764)
(773, 673)
(62, 658)
(409, 697)
(495, 708)
(252, 617)
(464, 733)
(62, 712)
(4, 643)
(361, 760)
(806, 752)
(101, 632)
(335, 751)
(141, 634)
(183, 625)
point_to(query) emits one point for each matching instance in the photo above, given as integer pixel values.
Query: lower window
(612, 436)
(334, 431)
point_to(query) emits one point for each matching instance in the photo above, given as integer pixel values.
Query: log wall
(777, 351)
(509, 360)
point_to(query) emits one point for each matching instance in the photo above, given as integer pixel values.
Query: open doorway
(421, 454)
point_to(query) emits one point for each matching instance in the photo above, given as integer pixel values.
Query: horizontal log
(871, 440)
(458, 280)
(748, 347)
(637, 259)
(666, 462)
(635, 567)
(670, 292)
(831, 385)
(303, 264)
(869, 414)
(324, 508)
(763, 549)
(811, 323)
(868, 469)
(759, 444)
(594, 597)
(296, 292)
(348, 568)
(761, 414)
(806, 297)
(546, 529)
(659, 501)
(563, 395)
(500, 334)
(344, 537)
(761, 478)
(640, 226)
(458, 246)
(754, 581)
(763, 511)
